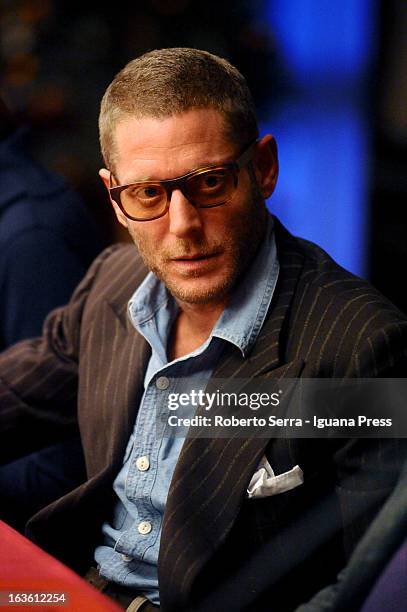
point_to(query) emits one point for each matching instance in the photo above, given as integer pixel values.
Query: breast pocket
(265, 483)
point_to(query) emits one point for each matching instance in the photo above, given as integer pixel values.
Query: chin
(205, 294)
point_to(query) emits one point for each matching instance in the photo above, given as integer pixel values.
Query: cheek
(141, 239)
(147, 239)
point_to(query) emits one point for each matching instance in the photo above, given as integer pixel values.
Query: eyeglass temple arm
(111, 176)
(247, 155)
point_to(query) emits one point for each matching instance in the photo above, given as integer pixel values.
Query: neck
(202, 317)
(193, 326)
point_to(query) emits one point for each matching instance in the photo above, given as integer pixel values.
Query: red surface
(26, 568)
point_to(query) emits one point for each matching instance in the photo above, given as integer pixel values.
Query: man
(47, 242)
(47, 239)
(231, 295)
(376, 571)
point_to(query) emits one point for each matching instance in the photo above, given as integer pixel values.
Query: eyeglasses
(205, 187)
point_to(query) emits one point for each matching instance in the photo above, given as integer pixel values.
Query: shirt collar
(243, 318)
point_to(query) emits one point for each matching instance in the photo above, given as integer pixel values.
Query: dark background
(330, 77)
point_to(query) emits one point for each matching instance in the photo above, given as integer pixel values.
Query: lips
(198, 257)
(199, 263)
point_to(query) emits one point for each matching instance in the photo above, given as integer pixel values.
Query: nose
(184, 218)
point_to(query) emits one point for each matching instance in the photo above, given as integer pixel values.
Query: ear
(105, 176)
(265, 163)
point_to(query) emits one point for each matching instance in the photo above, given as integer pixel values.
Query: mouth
(194, 264)
(197, 257)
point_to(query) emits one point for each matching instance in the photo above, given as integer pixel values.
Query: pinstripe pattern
(322, 322)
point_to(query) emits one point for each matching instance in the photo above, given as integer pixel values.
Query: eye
(211, 181)
(141, 196)
(145, 195)
(149, 192)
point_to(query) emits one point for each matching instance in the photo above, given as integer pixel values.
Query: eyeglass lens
(204, 189)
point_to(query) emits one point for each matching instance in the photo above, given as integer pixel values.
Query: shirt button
(162, 383)
(142, 464)
(144, 527)
(126, 558)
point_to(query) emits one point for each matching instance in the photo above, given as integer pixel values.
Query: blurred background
(329, 79)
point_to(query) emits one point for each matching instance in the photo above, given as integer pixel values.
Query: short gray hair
(167, 82)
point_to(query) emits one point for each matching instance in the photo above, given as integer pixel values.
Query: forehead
(163, 148)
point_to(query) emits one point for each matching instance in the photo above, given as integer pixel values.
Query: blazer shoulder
(328, 282)
(120, 251)
(336, 319)
(112, 278)
(117, 266)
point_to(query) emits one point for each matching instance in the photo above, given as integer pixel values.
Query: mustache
(189, 248)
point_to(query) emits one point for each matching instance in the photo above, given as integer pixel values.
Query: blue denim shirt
(129, 553)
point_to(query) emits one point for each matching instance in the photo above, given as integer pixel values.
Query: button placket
(136, 486)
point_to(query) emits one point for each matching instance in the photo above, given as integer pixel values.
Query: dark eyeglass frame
(180, 181)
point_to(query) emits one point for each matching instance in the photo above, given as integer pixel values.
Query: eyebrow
(149, 179)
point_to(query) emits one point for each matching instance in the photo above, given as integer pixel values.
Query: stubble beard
(240, 245)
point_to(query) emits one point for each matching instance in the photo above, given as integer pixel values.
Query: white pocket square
(265, 483)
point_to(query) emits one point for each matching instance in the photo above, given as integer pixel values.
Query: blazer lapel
(114, 397)
(130, 371)
(211, 476)
(134, 355)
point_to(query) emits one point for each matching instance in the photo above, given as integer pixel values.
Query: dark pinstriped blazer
(218, 549)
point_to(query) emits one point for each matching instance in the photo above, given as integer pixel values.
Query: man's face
(198, 253)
